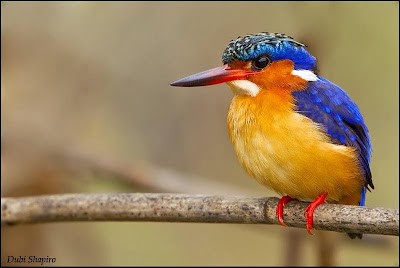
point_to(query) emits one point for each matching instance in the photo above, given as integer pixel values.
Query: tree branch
(193, 208)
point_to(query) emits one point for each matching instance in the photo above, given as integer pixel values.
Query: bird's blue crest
(275, 46)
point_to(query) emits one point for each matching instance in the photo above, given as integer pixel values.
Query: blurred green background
(93, 76)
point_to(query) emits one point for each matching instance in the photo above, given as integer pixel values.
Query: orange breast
(288, 152)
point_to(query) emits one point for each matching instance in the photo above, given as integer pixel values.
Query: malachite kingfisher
(293, 130)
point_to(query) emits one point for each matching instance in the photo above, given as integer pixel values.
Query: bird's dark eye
(260, 63)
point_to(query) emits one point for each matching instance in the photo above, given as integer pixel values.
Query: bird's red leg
(310, 211)
(279, 209)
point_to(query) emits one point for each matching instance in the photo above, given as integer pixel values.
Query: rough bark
(194, 208)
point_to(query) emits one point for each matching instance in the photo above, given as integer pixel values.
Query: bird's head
(256, 62)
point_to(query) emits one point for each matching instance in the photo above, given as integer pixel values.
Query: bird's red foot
(310, 211)
(279, 209)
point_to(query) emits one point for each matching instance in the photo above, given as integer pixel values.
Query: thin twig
(72, 159)
(146, 176)
(194, 208)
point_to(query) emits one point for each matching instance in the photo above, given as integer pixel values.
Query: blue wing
(330, 106)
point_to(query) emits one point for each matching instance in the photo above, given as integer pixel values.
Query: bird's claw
(309, 211)
(279, 209)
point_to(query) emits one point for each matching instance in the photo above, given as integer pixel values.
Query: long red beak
(211, 77)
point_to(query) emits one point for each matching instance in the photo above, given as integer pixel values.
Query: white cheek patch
(305, 74)
(244, 87)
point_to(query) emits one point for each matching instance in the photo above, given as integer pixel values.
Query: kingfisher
(293, 130)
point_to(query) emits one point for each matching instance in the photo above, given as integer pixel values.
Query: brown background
(95, 76)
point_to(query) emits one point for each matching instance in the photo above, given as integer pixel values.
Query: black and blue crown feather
(276, 46)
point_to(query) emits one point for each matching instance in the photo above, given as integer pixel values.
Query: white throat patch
(244, 87)
(305, 74)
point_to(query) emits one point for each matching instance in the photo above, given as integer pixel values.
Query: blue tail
(363, 194)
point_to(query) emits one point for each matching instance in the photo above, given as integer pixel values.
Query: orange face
(277, 75)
